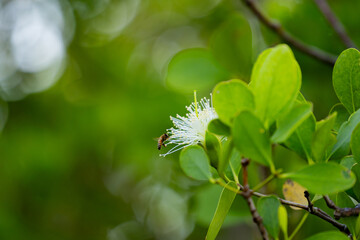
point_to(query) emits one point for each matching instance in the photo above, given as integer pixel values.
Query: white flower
(191, 129)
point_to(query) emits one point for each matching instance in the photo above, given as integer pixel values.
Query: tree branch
(314, 211)
(310, 205)
(246, 193)
(311, 209)
(342, 212)
(279, 30)
(335, 23)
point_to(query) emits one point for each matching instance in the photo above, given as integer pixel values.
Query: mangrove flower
(191, 129)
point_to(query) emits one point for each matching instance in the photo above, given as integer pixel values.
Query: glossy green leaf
(219, 128)
(346, 79)
(323, 138)
(342, 146)
(234, 166)
(194, 69)
(204, 204)
(268, 210)
(356, 170)
(348, 162)
(283, 220)
(355, 143)
(195, 163)
(341, 116)
(251, 138)
(226, 153)
(323, 178)
(357, 228)
(288, 123)
(212, 146)
(226, 199)
(330, 235)
(231, 44)
(230, 98)
(300, 98)
(300, 140)
(276, 81)
(344, 201)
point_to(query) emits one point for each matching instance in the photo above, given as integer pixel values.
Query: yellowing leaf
(294, 192)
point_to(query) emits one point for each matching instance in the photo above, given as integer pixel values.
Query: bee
(161, 140)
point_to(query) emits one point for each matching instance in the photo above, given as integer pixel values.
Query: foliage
(266, 112)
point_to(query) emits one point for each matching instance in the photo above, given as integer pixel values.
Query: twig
(287, 37)
(246, 193)
(335, 23)
(315, 211)
(310, 205)
(263, 183)
(342, 212)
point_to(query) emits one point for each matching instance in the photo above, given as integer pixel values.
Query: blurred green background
(78, 156)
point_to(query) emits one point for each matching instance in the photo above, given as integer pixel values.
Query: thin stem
(263, 183)
(287, 37)
(247, 195)
(220, 182)
(335, 23)
(296, 230)
(310, 205)
(195, 102)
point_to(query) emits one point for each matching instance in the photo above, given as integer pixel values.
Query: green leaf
(300, 98)
(323, 178)
(323, 138)
(268, 210)
(219, 128)
(344, 201)
(194, 69)
(251, 138)
(230, 98)
(300, 140)
(226, 199)
(346, 79)
(348, 162)
(212, 146)
(231, 44)
(276, 81)
(356, 170)
(205, 201)
(283, 220)
(342, 146)
(357, 228)
(287, 124)
(341, 117)
(234, 166)
(195, 163)
(355, 143)
(330, 235)
(226, 153)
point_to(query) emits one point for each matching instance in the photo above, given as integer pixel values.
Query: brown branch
(342, 212)
(246, 193)
(310, 205)
(319, 213)
(311, 209)
(287, 37)
(335, 23)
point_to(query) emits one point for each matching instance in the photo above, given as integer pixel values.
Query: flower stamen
(191, 128)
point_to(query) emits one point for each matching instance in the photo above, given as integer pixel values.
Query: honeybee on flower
(191, 129)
